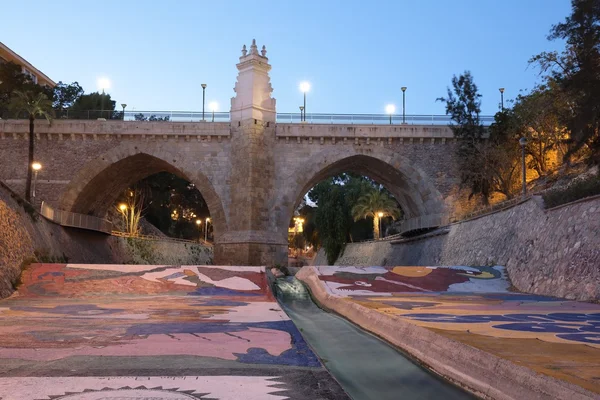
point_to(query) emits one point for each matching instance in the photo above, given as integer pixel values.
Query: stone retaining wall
(27, 237)
(552, 252)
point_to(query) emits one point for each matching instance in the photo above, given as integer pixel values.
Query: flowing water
(365, 366)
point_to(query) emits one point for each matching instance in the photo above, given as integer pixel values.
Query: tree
(131, 206)
(377, 205)
(12, 79)
(539, 119)
(333, 222)
(33, 105)
(576, 71)
(152, 118)
(463, 104)
(90, 106)
(64, 96)
(500, 153)
(172, 204)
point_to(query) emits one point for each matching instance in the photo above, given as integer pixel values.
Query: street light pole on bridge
(203, 99)
(403, 88)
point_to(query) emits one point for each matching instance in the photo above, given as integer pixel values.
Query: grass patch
(579, 189)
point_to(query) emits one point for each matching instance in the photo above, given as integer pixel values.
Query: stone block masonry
(252, 172)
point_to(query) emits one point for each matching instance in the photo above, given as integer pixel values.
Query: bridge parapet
(361, 131)
(132, 129)
(363, 134)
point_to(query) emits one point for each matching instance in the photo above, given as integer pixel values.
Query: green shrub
(575, 191)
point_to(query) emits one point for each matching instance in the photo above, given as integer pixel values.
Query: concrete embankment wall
(552, 252)
(27, 237)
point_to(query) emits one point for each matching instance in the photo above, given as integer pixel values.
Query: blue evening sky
(356, 54)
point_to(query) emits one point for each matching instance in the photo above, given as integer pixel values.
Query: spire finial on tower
(253, 48)
(263, 52)
(244, 51)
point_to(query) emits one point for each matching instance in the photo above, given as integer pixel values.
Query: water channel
(366, 367)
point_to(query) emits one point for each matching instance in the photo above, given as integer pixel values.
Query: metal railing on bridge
(293, 118)
(161, 238)
(75, 220)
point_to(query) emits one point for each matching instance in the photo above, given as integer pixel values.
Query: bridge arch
(98, 184)
(411, 187)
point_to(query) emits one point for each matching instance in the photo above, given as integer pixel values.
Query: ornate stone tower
(253, 87)
(250, 239)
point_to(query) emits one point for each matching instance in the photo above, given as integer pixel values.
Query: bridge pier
(269, 254)
(252, 237)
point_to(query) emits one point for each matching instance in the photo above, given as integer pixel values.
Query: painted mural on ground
(131, 388)
(383, 281)
(473, 305)
(220, 313)
(470, 299)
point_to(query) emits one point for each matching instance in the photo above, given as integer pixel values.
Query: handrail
(293, 118)
(75, 220)
(160, 238)
(423, 222)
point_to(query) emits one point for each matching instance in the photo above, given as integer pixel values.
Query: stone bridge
(251, 171)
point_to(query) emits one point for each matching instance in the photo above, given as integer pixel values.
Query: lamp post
(523, 143)
(213, 107)
(380, 215)
(501, 99)
(390, 109)
(304, 87)
(203, 98)
(301, 113)
(403, 88)
(36, 166)
(206, 230)
(123, 105)
(122, 209)
(199, 224)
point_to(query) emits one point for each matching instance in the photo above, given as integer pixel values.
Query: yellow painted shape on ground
(412, 272)
(575, 363)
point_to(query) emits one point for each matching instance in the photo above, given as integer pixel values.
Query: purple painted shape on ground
(217, 291)
(75, 309)
(221, 302)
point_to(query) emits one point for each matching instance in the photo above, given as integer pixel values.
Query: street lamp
(390, 109)
(523, 143)
(206, 229)
(380, 215)
(304, 87)
(403, 88)
(203, 98)
(501, 98)
(123, 105)
(199, 223)
(122, 207)
(36, 166)
(301, 113)
(213, 107)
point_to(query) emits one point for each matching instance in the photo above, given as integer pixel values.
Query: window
(30, 75)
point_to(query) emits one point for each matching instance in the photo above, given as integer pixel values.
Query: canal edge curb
(482, 373)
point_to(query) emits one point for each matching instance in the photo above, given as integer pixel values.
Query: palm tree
(34, 105)
(378, 205)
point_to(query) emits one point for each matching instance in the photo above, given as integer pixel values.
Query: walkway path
(129, 331)
(552, 336)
